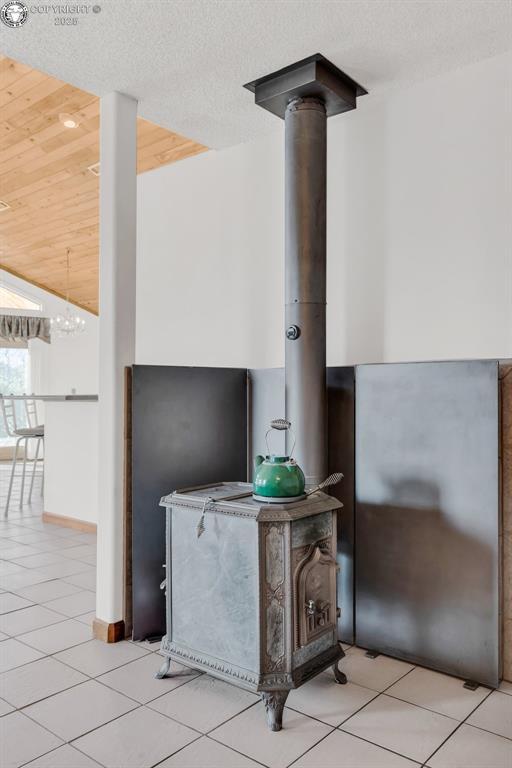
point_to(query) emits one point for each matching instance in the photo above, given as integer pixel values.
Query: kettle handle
(280, 425)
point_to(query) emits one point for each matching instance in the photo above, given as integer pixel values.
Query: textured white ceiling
(186, 60)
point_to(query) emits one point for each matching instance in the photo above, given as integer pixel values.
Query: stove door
(314, 574)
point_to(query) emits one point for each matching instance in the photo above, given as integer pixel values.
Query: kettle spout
(258, 460)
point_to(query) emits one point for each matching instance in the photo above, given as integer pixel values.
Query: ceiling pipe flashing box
(311, 77)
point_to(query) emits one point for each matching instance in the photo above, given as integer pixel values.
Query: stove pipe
(305, 266)
(305, 94)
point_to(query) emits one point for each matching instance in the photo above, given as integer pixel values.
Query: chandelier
(67, 323)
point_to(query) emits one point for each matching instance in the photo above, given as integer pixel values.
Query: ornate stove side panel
(276, 607)
(214, 583)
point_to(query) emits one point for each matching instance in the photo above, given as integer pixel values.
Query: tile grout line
(203, 733)
(52, 656)
(310, 748)
(49, 696)
(92, 677)
(462, 722)
(451, 717)
(14, 610)
(208, 734)
(17, 711)
(318, 719)
(407, 757)
(144, 703)
(118, 717)
(232, 717)
(384, 693)
(386, 749)
(485, 730)
(71, 742)
(43, 626)
(139, 705)
(154, 765)
(38, 629)
(54, 749)
(59, 746)
(478, 727)
(258, 762)
(86, 733)
(338, 727)
(75, 685)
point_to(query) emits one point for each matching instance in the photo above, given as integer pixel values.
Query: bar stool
(33, 423)
(25, 434)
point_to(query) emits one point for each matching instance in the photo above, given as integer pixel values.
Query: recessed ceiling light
(68, 121)
(4, 206)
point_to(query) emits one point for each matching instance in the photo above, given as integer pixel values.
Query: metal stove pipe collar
(306, 102)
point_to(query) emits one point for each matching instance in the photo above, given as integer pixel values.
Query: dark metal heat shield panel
(189, 428)
(427, 515)
(341, 405)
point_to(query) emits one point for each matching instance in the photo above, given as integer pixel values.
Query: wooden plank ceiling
(44, 178)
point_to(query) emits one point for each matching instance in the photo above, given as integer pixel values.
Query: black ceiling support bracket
(311, 77)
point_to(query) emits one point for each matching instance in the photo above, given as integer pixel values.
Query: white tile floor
(68, 701)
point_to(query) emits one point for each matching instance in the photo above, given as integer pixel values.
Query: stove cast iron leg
(339, 676)
(164, 669)
(274, 702)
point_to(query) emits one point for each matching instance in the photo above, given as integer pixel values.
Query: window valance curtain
(24, 328)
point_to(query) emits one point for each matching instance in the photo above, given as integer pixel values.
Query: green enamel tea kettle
(278, 479)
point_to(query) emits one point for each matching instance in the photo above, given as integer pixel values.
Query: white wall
(71, 428)
(71, 460)
(419, 235)
(210, 259)
(65, 364)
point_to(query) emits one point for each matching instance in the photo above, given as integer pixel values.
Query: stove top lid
(235, 498)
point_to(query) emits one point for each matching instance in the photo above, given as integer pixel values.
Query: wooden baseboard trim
(69, 522)
(109, 633)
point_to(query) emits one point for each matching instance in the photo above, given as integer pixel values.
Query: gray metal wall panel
(189, 428)
(267, 401)
(427, 514)
(340, 419)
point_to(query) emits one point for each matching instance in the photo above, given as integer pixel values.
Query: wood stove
(251, 586)
(251, 589)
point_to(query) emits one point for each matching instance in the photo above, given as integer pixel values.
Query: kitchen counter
(53, 398)
(70, 454)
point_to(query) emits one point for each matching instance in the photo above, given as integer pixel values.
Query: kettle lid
(274, 459)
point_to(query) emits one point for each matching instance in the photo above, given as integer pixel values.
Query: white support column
(118, 209)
